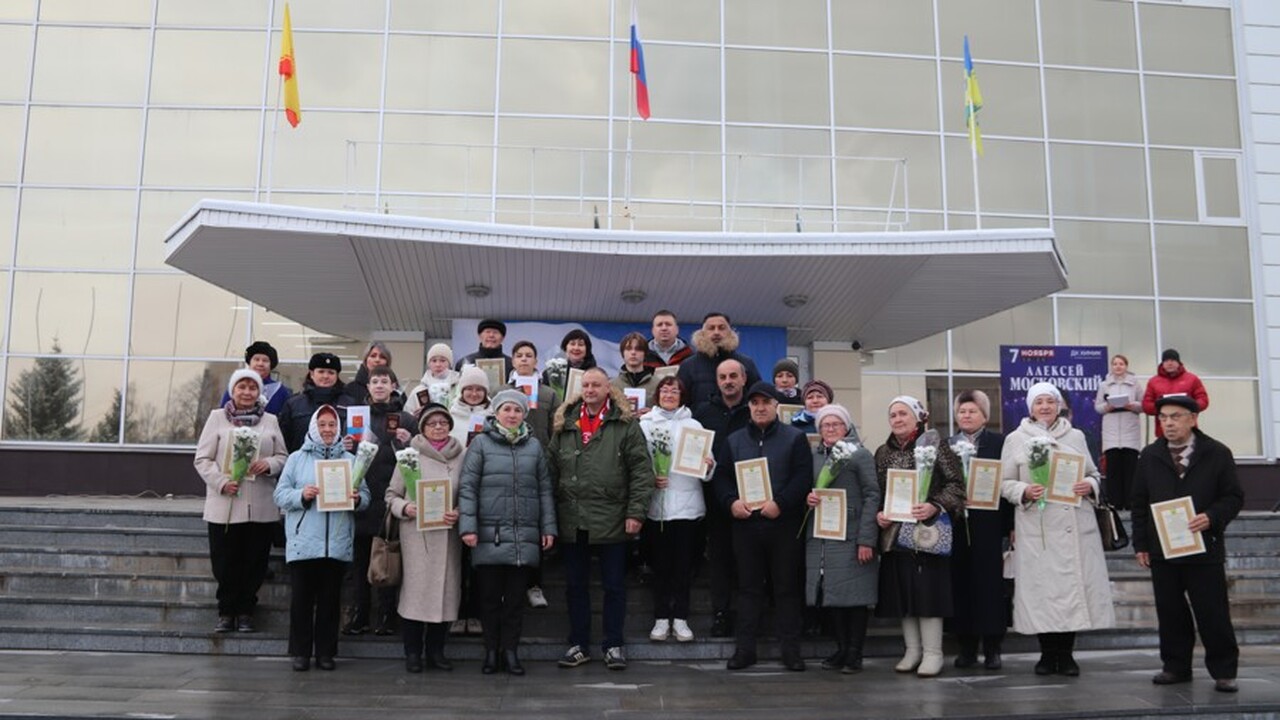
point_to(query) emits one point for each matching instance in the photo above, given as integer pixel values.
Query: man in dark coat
(714, 343)
(1186, 462)
(491, 333)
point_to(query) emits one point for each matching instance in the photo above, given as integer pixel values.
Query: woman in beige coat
(241, 516)
(429, 589)
(1061, 583)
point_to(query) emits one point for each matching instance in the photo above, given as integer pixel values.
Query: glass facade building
(1120, 124)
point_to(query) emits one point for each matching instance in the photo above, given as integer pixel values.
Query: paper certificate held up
(1173, 520)
(495, 369)
(1065, 470)
(333, 477)
(900, 494)
(693, 447)
(831, 522)
(435, 498)
(754, 488)
(984, 485)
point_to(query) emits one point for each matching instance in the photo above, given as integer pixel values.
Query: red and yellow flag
(289, 73)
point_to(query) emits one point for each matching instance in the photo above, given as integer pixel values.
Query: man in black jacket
(765, 538)
(1186, 462)
(713, 344)
(491, 333)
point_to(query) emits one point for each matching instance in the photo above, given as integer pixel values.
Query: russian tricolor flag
(637, 66)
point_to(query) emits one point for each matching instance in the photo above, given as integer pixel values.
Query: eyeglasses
(1162, 417)
(436, 423)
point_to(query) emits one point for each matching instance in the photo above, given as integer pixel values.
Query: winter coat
(413, 402)
(254, 503)
(722, 420)
(946, 486)
(431, 584)
(834, 563)
(1060, 570)
(680, 351)
(602, 484)
(309, 533)
(790, 468)
(698, 373)
(275, 392)
(295, 416)
(462, 413)
(506, 499)
(1182, 382)
(378, 478)
(539, 418)
(644, 379)
(1211, 482)
(483, 354)
(682, 498)
(977, 559)
(1121, 428)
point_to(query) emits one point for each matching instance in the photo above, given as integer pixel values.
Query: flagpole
(275, 131)
(631, 111)
(973, 155)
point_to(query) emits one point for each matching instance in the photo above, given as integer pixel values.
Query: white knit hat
(440, 350)
(472, 375)
(1042, 388)
(244, 374)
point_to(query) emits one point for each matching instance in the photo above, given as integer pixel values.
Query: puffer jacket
(1121, 428)
(682, 498)
(506, 498)
(309, 533)
(602, 484)
(698, 373)
(1182, 382)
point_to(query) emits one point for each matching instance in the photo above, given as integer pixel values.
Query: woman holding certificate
(840, 553)
(1059, 567)
(430, 588)
(471, 405)
(923, 488)
(239, 454)
(316, 494)
(507, 518)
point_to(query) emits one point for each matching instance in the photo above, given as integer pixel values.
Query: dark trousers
(849, 625)
(613, 574)
(1121, 464)
(724, 569)
(768, 549)
(238, 554)
(422, 636)
(468, 603)
(670, 557)
(363, 593)
(314, 607)
(1204, 588)
(500, 590)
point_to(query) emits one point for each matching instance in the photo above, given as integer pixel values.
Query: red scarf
(590, 424)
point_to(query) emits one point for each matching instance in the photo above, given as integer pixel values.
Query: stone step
(173, 514)
(102, 538)
(115, 560)
(1265, 559)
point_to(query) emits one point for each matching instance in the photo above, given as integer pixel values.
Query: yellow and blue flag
(972, 100)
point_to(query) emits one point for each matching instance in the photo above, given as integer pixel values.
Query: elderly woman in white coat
(1119, 402)
(1060, 571)
(432, 559)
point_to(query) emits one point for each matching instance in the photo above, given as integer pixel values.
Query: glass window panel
(334, 14)
(15, 58)
(925, 354)
(202, 148)
(8, 204)
(160, 210)
(689, 87)
(553, 172)
(1127, 327)
(1215, 338)
(76, 228)
(4, 303)
(224, 13)
(478, 16)
(441, 73)
(1192, 111)
(1012, 176)
(1221, 187)
(582, 89)
(459, 155)
(557, 17)
(91, 65)
(76, 419)
(795, 23)
(1106, 258)
(1096, 33)
(169, 401)
(322, 201)
(297, 343)
(1173, 184)
(94, 11)
(210, 68)
(18, 10)
(178, 315)
(335, 70)
(886, 92)
(1085, 105)
(997, 29)
(877, 391)
(674, 20)
(315, 155)
(550, 132)
(84, 146)
(1232, 417)
(11, 129)
(1203, 261)
(670, 161)
(762, 168)
(895, 26)
(861, 182)
(83, 312)
(1186, 39)
(776, 87)
(1011, 94)
(1098, 181)
(975, 347)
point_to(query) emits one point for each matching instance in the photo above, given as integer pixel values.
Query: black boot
(722, 624)
(1066, 657)
(413, 663)
(1048, 664)
(436, 634)
(357, 622)
(490, 665)
(513, 662)
(991, 652)
(968, 656)
(856, 638)
(840, 628)
(386, 624)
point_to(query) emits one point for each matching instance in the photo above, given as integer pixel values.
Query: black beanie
(261, 347)
(1170, 354)
(325, 361)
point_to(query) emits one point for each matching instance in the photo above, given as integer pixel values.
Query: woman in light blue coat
(318, 544)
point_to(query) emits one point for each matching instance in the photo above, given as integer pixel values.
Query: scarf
(243, 418)
(589, 424)
(439, 444)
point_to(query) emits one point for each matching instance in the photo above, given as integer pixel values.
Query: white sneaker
(681, 630)
(536, 598)
(661, 629)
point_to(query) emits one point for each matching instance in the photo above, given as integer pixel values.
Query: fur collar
(704, 346)
(619, 409)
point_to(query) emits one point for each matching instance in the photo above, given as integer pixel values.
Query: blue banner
(1076, 370)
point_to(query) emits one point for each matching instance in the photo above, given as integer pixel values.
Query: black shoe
(490, 665)
(413, 663)
(1167, 678)
(1226, 685)
(386, 625)
(226, 624)
(993, 661)
(793, 662)
(301, 664)
(852, 663)
(964, 662)
(325, 663)
(356, 626)
(1067, 666)
(438, 661)
(244, 624)
(1048, 664)
(513, 662)
(721, 626)
(835, 660)
(741, 660)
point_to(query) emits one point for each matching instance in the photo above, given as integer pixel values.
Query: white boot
(910, 636)
(931, 641)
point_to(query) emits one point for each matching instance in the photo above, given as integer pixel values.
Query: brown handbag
(385, 566)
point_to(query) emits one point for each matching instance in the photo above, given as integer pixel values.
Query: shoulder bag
(933, 538)
(384, 556)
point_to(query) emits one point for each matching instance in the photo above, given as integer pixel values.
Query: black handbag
(1111, 527)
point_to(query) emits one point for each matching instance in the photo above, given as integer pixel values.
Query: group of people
(536, 465)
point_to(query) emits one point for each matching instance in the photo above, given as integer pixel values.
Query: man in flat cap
(1187, 463)
(491, 334)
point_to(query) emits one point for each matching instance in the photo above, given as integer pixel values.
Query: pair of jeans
(613, 574)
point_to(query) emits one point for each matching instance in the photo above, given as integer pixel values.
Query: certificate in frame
(333, 478)
(787, 411)
(1171, 518)
(693, 447)
(984, 484)
(573, 385)
(435, 498)
(831, 518)
(900, 491)
(1065, 470)
(495, 369)
(754, 487)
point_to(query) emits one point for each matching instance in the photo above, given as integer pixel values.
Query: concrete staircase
(133, 575)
